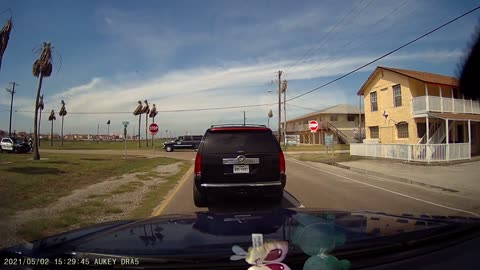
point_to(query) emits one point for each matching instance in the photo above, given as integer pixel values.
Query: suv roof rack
(238, 125)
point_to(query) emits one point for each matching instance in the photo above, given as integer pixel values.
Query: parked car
(183, 142)
(11, 144)
(239, 160)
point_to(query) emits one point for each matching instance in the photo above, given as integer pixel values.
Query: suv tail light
(282, 163)
(198, 164)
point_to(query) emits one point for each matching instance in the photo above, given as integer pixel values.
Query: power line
(308, 53)
(352, 39)
(387, 54)
(169, 111)
(342, 27)
(315, 110)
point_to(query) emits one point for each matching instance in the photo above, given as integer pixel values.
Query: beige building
(420, 108)
(340, 120)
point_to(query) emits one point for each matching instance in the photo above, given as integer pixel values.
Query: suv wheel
(199, 199)
(169, 149)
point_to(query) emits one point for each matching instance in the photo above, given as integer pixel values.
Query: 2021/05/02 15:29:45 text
(69, 261)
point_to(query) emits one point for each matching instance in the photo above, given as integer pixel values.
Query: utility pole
(98, 132)
(284, 90)
(360, 118)
(279, 105)
(244, 118)
(12, 92)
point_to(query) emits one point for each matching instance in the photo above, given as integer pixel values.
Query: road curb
(390, 177)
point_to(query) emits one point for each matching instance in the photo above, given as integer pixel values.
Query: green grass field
(314, 147)
(96, 145)
(83, 214)
(324, 158)
(26, 184)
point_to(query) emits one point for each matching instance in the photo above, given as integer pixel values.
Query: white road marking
(386, 190)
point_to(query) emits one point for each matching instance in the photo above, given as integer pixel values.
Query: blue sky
(202, 54)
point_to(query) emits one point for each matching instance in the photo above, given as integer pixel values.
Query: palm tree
(108, 131)
(62, 113)
(153, 113)
(138, 111)
(52, 118)
(40, 107)
(42, 67)
(146, 111)
(4, 37)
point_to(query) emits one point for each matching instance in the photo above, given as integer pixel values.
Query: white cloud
(206, 87)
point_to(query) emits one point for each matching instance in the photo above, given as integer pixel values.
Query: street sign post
(329, 142)
(313, 125)
(125, 125)
(153, 130)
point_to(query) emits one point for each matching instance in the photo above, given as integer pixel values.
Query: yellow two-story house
(415, 115)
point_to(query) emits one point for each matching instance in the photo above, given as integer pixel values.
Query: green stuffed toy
(317, 237)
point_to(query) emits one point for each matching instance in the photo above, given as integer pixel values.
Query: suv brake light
(198, 164)
(282, 163)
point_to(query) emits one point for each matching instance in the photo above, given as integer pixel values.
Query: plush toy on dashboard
(317, 237)
(266, 255)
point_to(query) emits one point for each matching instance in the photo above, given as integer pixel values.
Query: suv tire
(199, 199)
(169, 149)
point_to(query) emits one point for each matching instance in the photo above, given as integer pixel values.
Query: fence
(413, 152)
(443, 104)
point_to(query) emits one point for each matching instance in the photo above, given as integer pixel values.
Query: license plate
(241, 169)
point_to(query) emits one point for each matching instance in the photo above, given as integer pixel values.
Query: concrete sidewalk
(463, 179)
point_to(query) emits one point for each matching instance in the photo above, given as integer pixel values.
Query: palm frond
(5, 36)
(43, 65)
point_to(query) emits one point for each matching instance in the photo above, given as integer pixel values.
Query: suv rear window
(250, 141)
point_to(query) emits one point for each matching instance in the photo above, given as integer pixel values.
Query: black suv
(183, 142)
(238, 160)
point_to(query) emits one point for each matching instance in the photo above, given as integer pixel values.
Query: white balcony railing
(425, 104)
(413, 152)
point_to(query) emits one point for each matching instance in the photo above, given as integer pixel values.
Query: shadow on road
(35, 170)
(251, 204)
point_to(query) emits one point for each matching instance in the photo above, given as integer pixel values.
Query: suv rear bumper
(264, 189)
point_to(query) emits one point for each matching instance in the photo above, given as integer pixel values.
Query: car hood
(213, 233)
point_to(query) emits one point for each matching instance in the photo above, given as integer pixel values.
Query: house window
(350, 118)
(397, 95)
(373, 101)
(402, 130)
(333, 118)
(374, 134)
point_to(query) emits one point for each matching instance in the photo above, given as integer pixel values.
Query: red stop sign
(153, 128)
(313, 125)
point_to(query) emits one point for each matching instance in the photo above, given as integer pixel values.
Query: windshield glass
(177, 126)
(219, 142)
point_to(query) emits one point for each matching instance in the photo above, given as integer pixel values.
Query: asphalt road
(316, 185)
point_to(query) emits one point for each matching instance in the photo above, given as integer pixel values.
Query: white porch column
(464, 109)
(469, 140)
(428, 129)
(447, 139)
(453, 101)
(441, 99)
(427, 149)
(426, 98)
